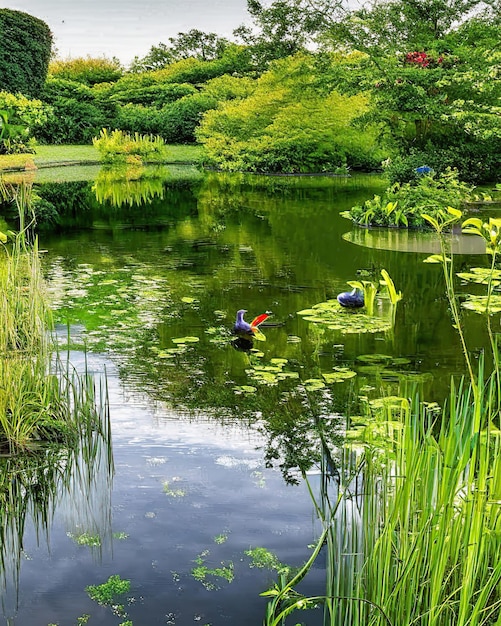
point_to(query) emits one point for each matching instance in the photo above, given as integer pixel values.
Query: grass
(41, 400)
(50, 156)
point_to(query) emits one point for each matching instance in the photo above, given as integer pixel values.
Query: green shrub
(56, 88)
(25, 48)
(403, 204)
(19, 119)
(77, 113)
(88, 71)
(156, 95)
(138, 118)
(72, 121)
(475, 159)
(177, 121)
(284, 123)
(117, 146)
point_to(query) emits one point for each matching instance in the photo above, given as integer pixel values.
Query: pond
(208, 433)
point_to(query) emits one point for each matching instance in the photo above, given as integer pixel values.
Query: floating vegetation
(481, 275)
(483, 304)
(335, 317)
(184, 340)
(208, 575)
(270, 374)
(245, 389)
(221, 538)
(173, 493)
(263, 558)
(109, 593)
(339, 375)
(86, 539)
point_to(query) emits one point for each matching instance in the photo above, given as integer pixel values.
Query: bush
(78, 113)
(72, 121)
(19, 119)
(55, 88)
(157, 95)
(88, 71)
(25, 48)
(404, 204)
(138, 118)
(475, 160)
(284, 123)
(177, 122)
(117, 146)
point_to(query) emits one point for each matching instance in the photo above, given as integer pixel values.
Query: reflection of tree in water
(301, 433)
(76, 482)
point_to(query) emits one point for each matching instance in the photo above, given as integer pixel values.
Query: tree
(25, 49)
(431, 68)
(280, 29)
(196, 43)
(193, 44)
(156, 59)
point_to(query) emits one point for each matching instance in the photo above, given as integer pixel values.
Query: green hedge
(25, 48)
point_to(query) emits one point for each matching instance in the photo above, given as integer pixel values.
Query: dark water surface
(206, 437)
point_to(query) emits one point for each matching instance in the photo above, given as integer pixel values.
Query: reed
(38, 393)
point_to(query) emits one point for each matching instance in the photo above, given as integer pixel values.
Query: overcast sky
(128, 28)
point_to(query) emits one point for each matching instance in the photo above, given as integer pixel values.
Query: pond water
(208, 433)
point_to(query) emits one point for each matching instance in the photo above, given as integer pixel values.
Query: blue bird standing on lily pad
(249, 331)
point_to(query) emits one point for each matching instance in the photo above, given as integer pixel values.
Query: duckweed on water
(173, 493)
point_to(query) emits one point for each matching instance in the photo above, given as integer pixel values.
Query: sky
(128, 28)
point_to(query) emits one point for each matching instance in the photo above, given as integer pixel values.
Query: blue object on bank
(423, 169)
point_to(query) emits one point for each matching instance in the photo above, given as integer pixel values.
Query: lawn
(47, 156)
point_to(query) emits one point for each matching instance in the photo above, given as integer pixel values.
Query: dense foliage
(288, 124)
(403, 204)
(88, 71)
(396, 84)
(25, 48)
(19, 116)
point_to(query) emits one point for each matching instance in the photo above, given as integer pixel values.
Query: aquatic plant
(336, 317)
(41, 399)
(118, 146)
(403, 205)
(109, 593)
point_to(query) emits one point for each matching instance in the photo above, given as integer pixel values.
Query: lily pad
(335, 317)
(339, 375)
(483, 304)
(186, 340)
(481, 275)
(313, 384)
(374, 358)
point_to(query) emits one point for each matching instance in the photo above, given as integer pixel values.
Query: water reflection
(157, 288)
(77, 482)
(180, 266)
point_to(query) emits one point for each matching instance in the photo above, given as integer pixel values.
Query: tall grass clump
(40, 399)
(120, 147)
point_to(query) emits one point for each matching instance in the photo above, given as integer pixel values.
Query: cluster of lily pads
(332, 315)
